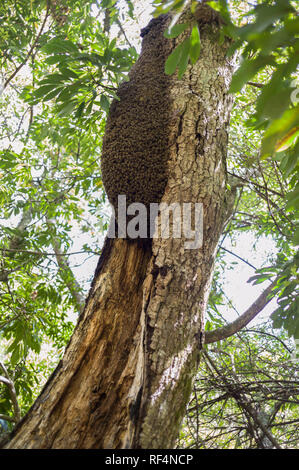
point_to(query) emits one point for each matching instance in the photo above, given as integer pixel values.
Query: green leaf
(279, 129)
(293, 199)
(60, 45)
(178, 57)
(194, 44)
(44, 90)
(287, 140)
(55, 59)
(16, 355)
(66, 108)
(176, 30)
(52, 94)
(183, 63)
(53, 78)
(69, 91)
(68, 73)
(89, 107)
(80, 109)
(173, 60)
(104, 103)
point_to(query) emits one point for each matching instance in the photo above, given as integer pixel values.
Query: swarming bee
(136, 144)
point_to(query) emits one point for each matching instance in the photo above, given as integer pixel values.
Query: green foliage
(176, 30)
(79, 78)
(187, 50)
(271, 41)
(178, 58)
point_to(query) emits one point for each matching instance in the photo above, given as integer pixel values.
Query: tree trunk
(126, 375)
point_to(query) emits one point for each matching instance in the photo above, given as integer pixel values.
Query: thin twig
(239, 257)
(123, 32)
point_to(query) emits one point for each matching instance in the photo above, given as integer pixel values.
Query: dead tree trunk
(125, 378)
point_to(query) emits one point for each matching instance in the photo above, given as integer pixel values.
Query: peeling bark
(126, 375)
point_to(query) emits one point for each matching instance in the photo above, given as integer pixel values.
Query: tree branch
(13, 395)
(257, 85)
(67, 273)
(70, 281)
(123, 32)
(44, 253)
(243, 320)
(245, 180)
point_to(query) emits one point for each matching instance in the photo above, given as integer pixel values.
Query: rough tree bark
(126, 375)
